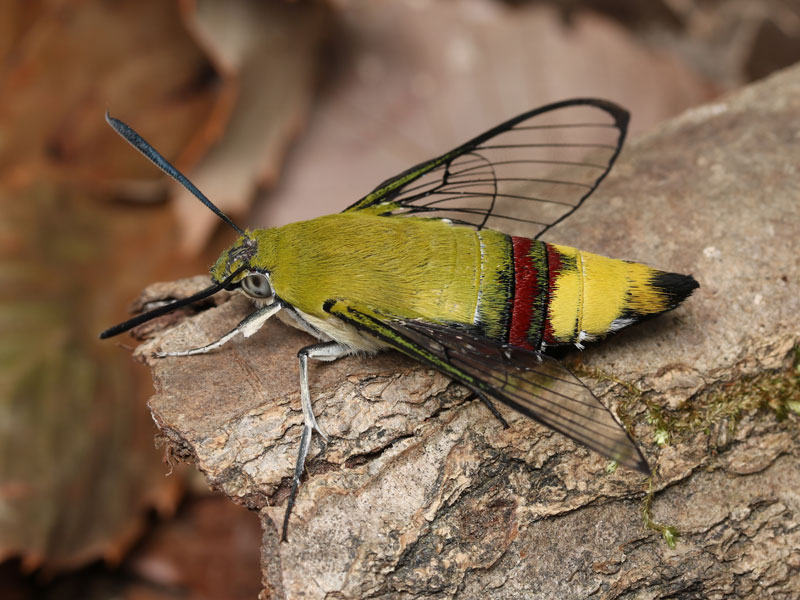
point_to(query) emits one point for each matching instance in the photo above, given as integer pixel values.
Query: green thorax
(401, 267)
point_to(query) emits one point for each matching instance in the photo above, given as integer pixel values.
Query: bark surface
(422, 494)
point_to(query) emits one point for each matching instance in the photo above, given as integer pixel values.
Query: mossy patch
(721, 404)
(727, 403)
(775, 392)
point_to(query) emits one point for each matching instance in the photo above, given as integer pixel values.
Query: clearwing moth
(417, 265)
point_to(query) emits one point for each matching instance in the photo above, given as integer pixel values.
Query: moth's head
(240, 266)
(247, 260)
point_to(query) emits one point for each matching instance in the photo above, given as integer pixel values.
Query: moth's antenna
(135, 140)
(162, 310)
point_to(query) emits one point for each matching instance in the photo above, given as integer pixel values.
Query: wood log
(422, 494)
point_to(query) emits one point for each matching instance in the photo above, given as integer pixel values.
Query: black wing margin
(534, 384)
(522, 177)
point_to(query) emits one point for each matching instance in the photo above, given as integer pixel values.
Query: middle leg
(325, 351)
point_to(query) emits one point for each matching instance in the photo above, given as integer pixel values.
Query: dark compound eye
(257, 285)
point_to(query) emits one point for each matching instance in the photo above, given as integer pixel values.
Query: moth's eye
(257, 285)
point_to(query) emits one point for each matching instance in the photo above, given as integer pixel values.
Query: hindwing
(531, 383)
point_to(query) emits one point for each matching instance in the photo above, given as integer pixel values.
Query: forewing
(534, 384)
(522, 177)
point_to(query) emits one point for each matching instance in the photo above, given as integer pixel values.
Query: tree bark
(422, 494)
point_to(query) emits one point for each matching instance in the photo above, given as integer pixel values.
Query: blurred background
(278, 111)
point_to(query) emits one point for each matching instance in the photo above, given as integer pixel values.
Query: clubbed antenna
(167, 308)
(135, 140)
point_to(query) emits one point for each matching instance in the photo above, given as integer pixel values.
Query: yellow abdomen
(591, 295)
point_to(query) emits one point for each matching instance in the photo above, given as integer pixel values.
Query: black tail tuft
(675, 287)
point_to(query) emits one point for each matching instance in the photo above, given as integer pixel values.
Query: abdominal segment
(534, 294)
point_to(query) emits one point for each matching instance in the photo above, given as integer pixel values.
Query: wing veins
(509, 379)
(564, 126)
(548, 145)
(458, 184)
(587, 135)
(534, 161)
(455, 195)
(419, 341)
(592, 405)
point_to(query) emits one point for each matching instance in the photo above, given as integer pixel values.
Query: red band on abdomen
(525, 290)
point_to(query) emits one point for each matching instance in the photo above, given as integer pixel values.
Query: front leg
(325, 351)
(247, 327)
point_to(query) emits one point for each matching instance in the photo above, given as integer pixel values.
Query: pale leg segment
(247, 327)
(325, 351)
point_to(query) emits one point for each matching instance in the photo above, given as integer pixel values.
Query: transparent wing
(534, 384)
(522, 177)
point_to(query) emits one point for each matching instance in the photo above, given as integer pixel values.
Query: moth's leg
(247, 327)
(305, 444)
(482, 397)
(324, 351)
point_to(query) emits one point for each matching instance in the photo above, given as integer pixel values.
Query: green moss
(668, 532)
(725, 403)
(775, 392)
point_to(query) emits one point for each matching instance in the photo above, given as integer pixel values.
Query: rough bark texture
(422, 494)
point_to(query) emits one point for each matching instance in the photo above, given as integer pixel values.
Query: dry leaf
(210, 551)
(78, 470)
(267, 52)
(78, 467)
(69, 63)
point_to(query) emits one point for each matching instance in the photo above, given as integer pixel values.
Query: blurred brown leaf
(774, 46)
(267, 55)
(210, 551)
(69, 62)
(413, 79)
(729, 42)
(77, 463)
(78, 470)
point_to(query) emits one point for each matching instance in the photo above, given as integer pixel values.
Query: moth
(419, 265)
